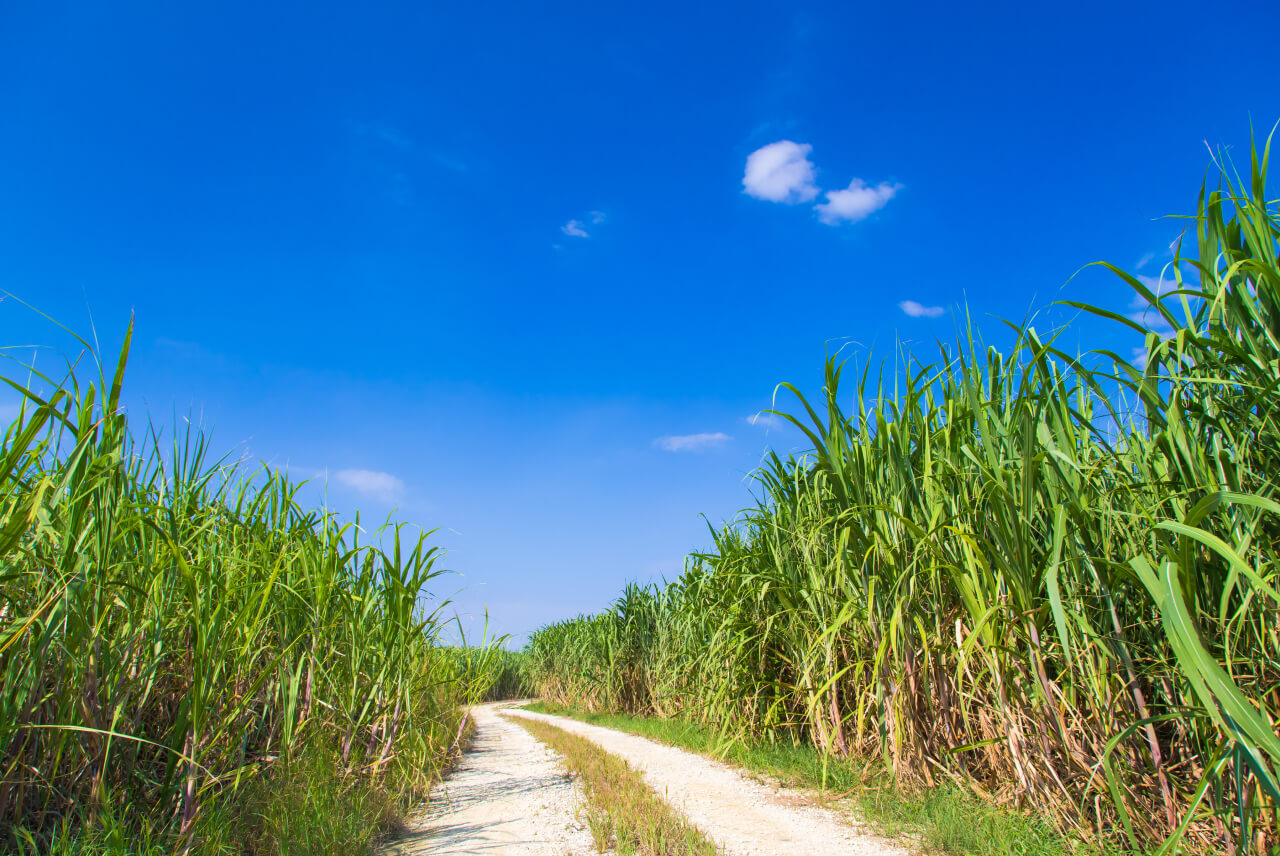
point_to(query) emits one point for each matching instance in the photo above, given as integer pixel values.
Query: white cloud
(381, 486)
(856, 203)
(1159, 284)
(780, 172)
(1142, 312)
(578, 228)
(691, 442)
(1145, 260)
(765, 420)
(919, 310)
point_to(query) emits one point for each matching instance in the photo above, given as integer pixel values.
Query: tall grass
(180, 640)
(1047, 579)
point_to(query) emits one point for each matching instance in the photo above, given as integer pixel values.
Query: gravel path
(743, 816)
(509, 797)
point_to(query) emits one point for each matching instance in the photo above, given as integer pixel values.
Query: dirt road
(510, 797)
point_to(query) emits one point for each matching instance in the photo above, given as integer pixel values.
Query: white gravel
(743, 816)
(510, 796)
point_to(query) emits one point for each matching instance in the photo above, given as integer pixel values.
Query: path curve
(745, 817)
(509, 796)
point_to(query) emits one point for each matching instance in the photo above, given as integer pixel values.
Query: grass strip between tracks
(623, 813)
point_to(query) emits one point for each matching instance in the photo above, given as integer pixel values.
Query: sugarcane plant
(1046, 577)
(176, 631)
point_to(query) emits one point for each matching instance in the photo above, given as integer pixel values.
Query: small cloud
(855, 203)
(919, 310)
(691, 442)
(1142, 312)
(1139, 357)
(381, 486)
(578, 228)
(1145, 260)
(764, 420)
(780, 172)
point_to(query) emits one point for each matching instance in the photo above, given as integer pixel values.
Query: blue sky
(523, 271)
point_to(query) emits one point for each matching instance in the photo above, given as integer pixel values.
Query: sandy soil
(743, 816)
(509, 797)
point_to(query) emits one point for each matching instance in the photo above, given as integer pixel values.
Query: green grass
(623, 813)
(940, 820)
(309, 809)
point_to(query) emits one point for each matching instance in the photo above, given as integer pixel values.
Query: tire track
(509, 796)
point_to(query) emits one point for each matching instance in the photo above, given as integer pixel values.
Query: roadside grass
(623, 813)
(943, 820)
(310, 807)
